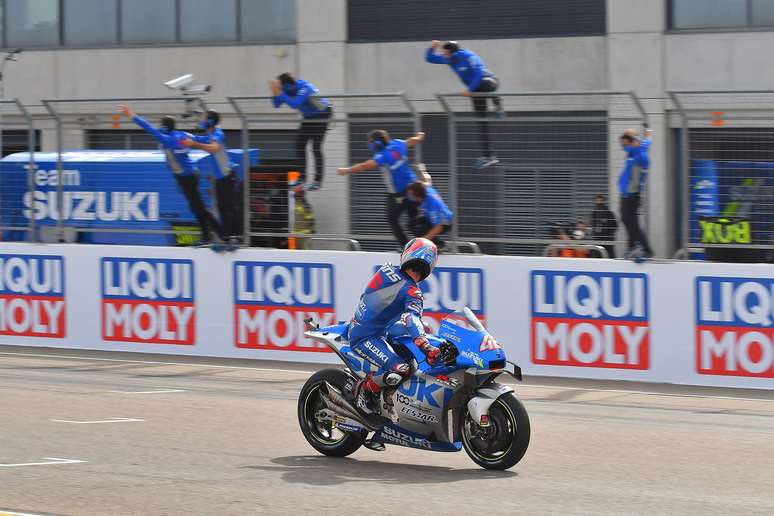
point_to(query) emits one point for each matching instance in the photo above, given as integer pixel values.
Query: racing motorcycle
(453, 404)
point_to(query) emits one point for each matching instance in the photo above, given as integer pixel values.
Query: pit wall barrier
(667, 322)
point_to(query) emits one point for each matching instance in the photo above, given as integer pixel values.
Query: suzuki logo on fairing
(426, 393)
(381, 355)
(391, 434)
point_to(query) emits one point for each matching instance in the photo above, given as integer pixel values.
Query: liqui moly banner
(590, 319)
(32, 296)
(272, 299)
(148, 300)
(735, 326)
(697, 323)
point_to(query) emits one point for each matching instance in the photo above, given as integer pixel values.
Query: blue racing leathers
(390, 307)
(303, 96)
(466, 64)
(178, 158)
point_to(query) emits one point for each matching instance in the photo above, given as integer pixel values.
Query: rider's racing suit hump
(390, 295)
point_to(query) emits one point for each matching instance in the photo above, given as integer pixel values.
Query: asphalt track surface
(221, 437)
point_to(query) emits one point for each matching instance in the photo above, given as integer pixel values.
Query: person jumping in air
(183, 169)
(391, 307)
(479, 80)
(317, 113)
(391, 155)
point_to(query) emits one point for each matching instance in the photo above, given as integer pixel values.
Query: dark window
(90, 22)
(720, 14)
(207, 21)
(139, 28)
(14, 141)
(271, 21)
(32, 23)
(411, 20)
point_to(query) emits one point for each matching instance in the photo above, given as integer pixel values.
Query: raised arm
(360, 167)
(148, 128)
(415, 140)
(432, 57)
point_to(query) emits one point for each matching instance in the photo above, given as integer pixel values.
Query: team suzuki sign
(735, 326)
(272, 299)
(590, 319)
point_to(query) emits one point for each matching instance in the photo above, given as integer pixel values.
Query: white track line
(9, 513)
(50, 461)
(600, 389)
(155, 362)
(161, 391)
(111, 420)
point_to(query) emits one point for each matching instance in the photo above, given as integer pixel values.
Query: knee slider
(398, 373)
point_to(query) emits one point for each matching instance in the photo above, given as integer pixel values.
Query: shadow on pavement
(323, 471)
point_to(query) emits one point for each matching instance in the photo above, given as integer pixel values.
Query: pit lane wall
(674, 322)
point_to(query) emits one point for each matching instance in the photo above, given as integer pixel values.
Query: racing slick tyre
(504, 442)
(324, 436)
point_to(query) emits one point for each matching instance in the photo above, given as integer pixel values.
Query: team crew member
(474, 74)
(391, 155)
(603, 223)
(435, 218)
(183, 169)
(227, 184)
(631, 183)
(317, 112)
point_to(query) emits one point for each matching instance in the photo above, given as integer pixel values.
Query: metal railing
(17, 179)
(165, 212)
(555, 152)
(344, 208)
(727, 172)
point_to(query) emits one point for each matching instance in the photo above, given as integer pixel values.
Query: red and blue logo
(32, 296)
(590, 319)
(735, 326)
(148, 300)
(272, 299)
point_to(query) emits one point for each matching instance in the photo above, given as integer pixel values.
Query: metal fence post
(59, 170)
(417, 126)
(685, 172)
(31, 167)
(245, 171)
(453, 195)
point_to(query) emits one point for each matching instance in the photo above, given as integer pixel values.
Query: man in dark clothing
(603, 224)
(631, 184)
(478, 79)
(317, 112)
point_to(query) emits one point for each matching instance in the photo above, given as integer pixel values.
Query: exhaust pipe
(337, 403)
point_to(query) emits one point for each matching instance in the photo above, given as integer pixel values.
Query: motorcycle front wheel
(323, 435)
(504, 442)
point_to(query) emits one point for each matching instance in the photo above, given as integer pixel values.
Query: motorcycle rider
(391, 306)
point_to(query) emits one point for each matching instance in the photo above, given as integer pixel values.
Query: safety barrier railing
(576, 250)
(555, 151)
(726, 157)
(343, 208)
(17, 179)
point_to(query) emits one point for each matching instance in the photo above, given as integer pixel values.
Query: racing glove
(431, 352)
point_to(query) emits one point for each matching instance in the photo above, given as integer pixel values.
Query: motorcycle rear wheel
(504, 442)
(323, 435)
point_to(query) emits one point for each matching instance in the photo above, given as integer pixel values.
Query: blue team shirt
(304, 97)
(635, 172)
(435, 209)
(394, 163)
(218, 160)
(178, 156)
(466, 64)
(390, 298)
